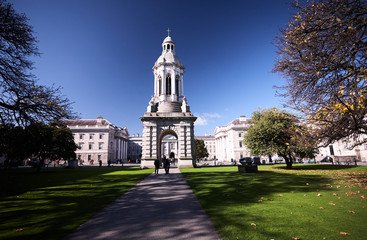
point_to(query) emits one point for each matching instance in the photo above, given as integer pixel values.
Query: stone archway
(162, 135)
(154, 130)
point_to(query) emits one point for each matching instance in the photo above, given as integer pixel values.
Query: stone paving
(160, 207)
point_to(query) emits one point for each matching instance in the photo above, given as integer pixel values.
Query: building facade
(168, 112)
(228, 140)
(209, 142)
(98, 139)
(341, 151)
(135, 148)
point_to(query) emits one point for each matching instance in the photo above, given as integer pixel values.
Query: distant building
(341, 151)
(209, 142)
(98, 139)
(135, 148)
(228, 140)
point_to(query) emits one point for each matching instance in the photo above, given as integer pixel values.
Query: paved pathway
(160, 207)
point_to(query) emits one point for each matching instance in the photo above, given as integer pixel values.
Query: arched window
(160, 85)
(168, 85)
(172, 47)
(177, 87)
(167, 46)
(164, 47)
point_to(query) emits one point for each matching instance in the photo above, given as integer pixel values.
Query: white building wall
(97, 139)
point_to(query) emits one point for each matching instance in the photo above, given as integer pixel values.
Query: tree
(273, 131)
(22, 100)
(200, 149)
(323, 55)
(53, 141)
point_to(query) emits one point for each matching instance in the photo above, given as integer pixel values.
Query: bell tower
(168, 112)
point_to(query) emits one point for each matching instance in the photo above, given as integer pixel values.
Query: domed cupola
(168, 45)
(168, 55)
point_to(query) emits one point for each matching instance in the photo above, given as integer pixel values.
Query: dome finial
(168, 30)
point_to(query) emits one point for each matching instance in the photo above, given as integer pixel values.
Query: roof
(205, 137)
(168, 39)
(168, 57)
(88, 122)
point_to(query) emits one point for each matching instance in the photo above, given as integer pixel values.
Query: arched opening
(168, 146)
(160, 85)
(168, 46)
(177, 84)
(168, 85)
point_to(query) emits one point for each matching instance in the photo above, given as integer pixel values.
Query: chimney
(99, 120)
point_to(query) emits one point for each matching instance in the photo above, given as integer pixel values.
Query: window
(99, 157)
(81, 136)
(81, 145)
(331, 148)
(90, 146)
(89, 157)
(100, 136)
(168, 84)
(240, 144)
(239, 135)
(100, 145)
(91, 136)
(167, 46)
(79, 157)
(160, 85)
(177, 93)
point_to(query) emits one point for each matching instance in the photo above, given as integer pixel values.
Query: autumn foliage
(322, 53)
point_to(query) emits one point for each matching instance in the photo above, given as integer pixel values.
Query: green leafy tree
(273, 131)
(322, 53)
(53, 141)
(22, 100)
(200, 149)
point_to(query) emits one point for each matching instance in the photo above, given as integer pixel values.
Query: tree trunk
(288, 160)
(40, 164)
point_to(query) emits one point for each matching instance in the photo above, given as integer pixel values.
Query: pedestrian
(100, 162)
(109, 162)
(166, 164)
(156, 164)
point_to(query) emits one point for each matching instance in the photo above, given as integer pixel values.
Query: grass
(309, 202)
(50, 204)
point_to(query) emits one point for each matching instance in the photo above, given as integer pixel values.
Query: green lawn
(309, 202)
(50, 204)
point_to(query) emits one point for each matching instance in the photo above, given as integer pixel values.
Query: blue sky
(101, 53)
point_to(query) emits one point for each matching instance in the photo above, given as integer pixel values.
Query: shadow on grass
(228, 197)
(320, 167)
(51, 204)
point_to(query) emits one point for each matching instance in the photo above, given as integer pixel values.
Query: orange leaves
(253, 224)
(350, 211)
(344, 233)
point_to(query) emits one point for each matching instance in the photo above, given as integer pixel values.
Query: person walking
(100, 162)
(166, 164)
(156, 164)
